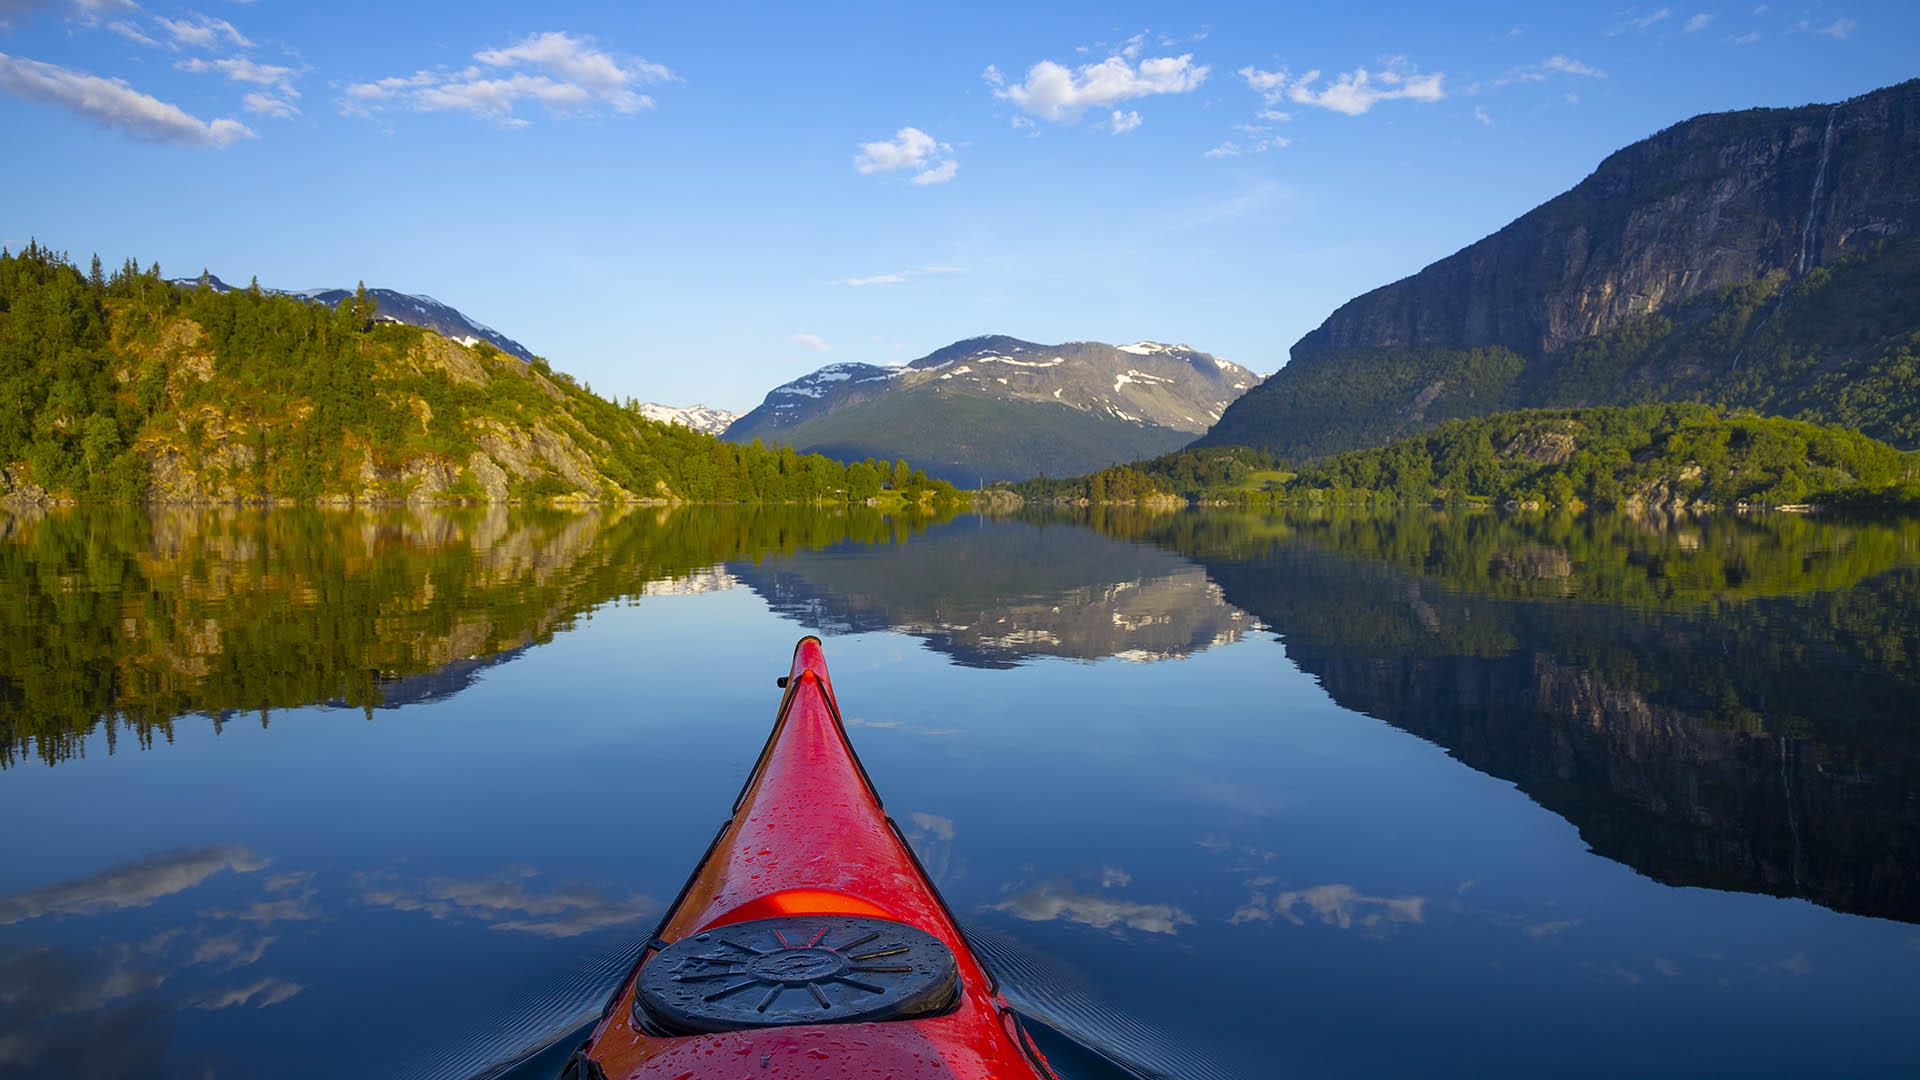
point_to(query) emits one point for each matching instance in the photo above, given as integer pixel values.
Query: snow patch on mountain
(701, 418)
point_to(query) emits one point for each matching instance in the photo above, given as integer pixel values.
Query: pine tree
(365, 307)
(97, 276)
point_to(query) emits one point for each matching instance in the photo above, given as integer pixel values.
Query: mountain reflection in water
(1722, 702)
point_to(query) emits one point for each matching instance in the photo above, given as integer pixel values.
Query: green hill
(127, 387)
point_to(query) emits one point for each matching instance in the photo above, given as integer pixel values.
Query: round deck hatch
(814, 969)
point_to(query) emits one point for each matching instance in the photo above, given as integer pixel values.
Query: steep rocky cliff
(1713, 224)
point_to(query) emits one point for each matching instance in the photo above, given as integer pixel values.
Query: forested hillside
(124, 387)
(1665, 456)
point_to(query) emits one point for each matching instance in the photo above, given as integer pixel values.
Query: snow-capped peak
(701, 418)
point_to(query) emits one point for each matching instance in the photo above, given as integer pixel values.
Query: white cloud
(1747, 38)
(567, 74)
(1056, 93)
(910, 148)
(202, 32)
(1838, 29)
(939, 174)
(1697, 23)
(112, 103)
(576, 61)
(1123, 122)
(811, 341)
(1480, 114)
(1353, 92)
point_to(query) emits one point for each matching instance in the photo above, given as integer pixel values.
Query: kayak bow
(809, 941)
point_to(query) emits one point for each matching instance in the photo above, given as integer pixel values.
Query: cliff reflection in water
(129, 620)
(1725, 702)
(995, 593)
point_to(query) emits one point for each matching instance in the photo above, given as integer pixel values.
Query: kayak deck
(861, 969)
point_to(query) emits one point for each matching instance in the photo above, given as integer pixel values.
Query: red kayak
(809, 941)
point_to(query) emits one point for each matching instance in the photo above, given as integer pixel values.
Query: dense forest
(1679, 456)
(122, 387)
(1198, 473)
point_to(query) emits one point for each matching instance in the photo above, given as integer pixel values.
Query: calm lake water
(323, 795)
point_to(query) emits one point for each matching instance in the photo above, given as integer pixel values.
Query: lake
(299, 794)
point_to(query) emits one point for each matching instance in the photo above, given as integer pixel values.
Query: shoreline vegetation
(127, 388)
(1672, 457)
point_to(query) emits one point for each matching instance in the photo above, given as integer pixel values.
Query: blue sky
(694, 202)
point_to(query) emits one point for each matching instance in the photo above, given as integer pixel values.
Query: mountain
(412, 309)
(130, 389)
(1765, 259)
(700, 418)
(998, 408)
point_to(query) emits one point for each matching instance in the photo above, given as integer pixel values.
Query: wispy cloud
(564, 72)
(1058, 899)
(277, 96)
(909, 149)
(1642, 22)
(898, 277)
(1557, 64)
(198, 31)
(1256, 139)
(811, 341)
(1480, 114)
(1838, 29)
(1351, 93)
(1747, 38)
(1122, 122)
(1697, 23)
(506, 903)
(257, 995)
(112, 103)
(131, 885)
(1061, 95)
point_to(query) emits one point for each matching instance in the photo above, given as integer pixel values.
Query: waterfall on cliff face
(1813, 204)
(1807, 229)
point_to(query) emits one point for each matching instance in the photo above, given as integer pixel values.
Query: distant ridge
(998, 408)
(412, 309)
